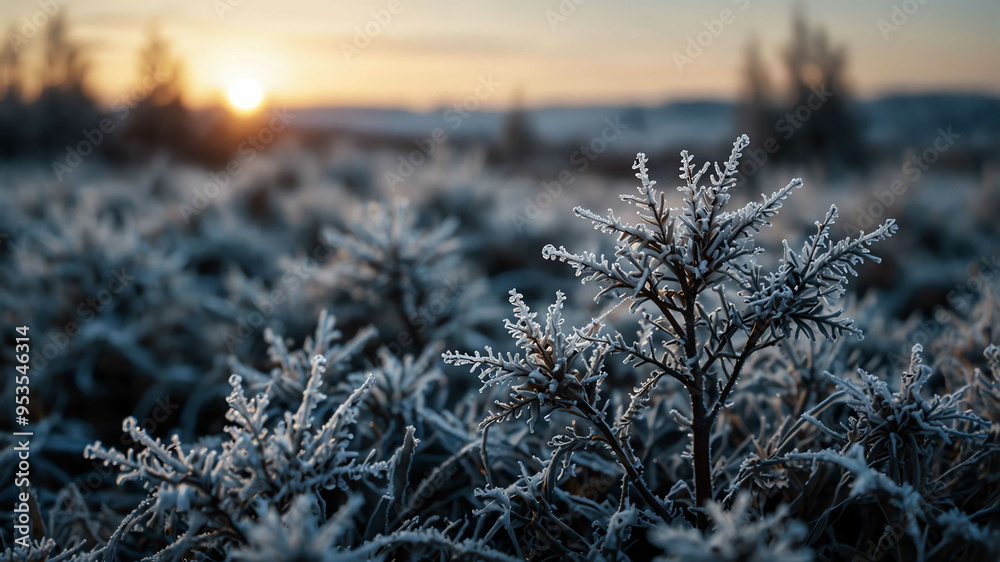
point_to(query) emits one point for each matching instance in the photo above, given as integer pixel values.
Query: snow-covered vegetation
(264, 380)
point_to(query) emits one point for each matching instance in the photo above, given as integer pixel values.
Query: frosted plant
(711, 307)
(298, 534)
(71, 531)
(556, 373)
(683, 262)
(292, 370)
(960, 531)
(559, 372)
(425, 543)
(781, 384)
(501, 502)
(199, 494)
(389, 262)
(936, 530)
(736, 537)
(988, 389)
(903, 432)
(912, 456)
(905, 504)
(541, 519)
(400, 390)
(85, 257)
(990, 383)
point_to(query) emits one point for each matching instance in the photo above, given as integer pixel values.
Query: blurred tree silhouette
(160, 121)
(11, 93)
(816, 110)
(757, 112)
(63, 120)
(517, 139)
(65, 65)
(10, 69)
(62, 110)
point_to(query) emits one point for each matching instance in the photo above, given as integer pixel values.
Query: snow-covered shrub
(912, 457)
(66, 532)
(671, 269)
(903, 433)
(204, 496)
(295, 466)
(413, 276)
(200, 493)
(988, 388)
(292, 371)
(735, 537)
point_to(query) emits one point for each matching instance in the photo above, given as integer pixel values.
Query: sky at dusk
(433, 52)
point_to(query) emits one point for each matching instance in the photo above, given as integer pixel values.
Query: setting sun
(245, 94)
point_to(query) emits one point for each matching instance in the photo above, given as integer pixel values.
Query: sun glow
(245, 94)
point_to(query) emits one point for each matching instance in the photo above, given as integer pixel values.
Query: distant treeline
(48, 112)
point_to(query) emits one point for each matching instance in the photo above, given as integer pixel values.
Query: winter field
(147, 306)
(582, 332)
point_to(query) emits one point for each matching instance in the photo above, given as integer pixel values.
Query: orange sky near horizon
(430, 53)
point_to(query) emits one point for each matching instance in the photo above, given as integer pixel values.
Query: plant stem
(625, 459)
(701, 450)
(702, 421)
